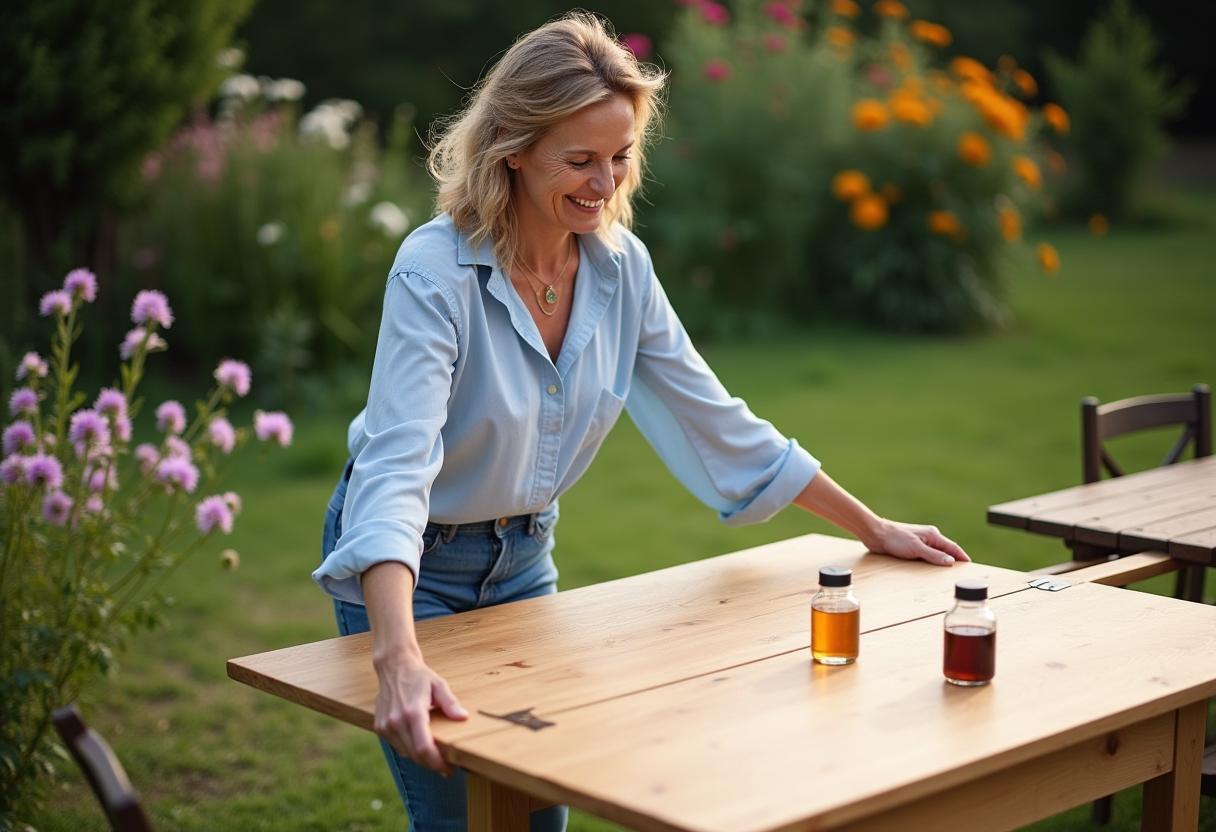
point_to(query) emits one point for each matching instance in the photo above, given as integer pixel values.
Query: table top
(1170, 509)
(686, 698)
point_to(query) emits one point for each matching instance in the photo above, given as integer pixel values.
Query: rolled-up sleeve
(728, 458)
(400, 451)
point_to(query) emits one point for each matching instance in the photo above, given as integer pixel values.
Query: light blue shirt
(468, 419)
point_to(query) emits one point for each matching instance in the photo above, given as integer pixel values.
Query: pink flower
(176, 448)
(716, 70)
(94, 505)
(780, 12)
(12, 470)
(31, 365)
(23, 402)
(775, 43)
(222, 434)
(57, 302)
(81, 283)
(140, 337)
(213, 513)
(715, 14)
(18, 435)
(273, 426)
(177, 472)
(56, 507)
(878, 75)
(233, 375)
(101, 478)
(122, 428)
(171, 417)
(42, 469)
(151, 306)
(234, 501)
(147, 456)
(88, 429)
(637, 43)
(111, 402)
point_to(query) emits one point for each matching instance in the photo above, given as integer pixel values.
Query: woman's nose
(602, 181)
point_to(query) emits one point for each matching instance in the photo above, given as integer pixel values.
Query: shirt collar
(607, 262)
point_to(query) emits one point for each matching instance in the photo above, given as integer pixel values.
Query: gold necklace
(550, 295)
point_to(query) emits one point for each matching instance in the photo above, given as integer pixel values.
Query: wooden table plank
(797, 745)
(1103, 529)
(550, 654)
(1155, 500)
(1158, 534)
(1198, 546)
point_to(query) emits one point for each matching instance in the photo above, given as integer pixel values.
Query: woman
(517, 324)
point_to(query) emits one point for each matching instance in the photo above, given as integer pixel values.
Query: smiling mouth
(586, 204)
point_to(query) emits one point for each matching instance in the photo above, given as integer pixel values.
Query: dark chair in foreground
(103, 771)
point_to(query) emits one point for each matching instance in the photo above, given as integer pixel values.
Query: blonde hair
(547, 75)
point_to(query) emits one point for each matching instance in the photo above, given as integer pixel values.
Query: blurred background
(913, 235)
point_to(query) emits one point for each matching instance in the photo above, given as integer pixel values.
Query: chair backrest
(1099, 422)
(103, 771)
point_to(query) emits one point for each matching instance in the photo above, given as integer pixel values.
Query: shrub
(1119, 99)
(837, 164)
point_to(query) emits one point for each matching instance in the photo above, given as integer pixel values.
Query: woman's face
(564, 180)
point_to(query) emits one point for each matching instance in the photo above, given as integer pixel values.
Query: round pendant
(550, 295)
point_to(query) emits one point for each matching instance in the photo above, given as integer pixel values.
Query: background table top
(686, 698)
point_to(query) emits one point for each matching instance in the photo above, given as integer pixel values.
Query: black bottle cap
(971, 590)
(835, 576)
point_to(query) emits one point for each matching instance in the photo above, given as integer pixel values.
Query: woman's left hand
(912, 542)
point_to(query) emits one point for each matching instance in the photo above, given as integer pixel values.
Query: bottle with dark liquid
(970, 648)
(835, 618)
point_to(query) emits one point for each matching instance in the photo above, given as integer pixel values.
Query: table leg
(1171, 801)
(494, 807)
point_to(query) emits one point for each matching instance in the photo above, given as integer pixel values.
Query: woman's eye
(584, 163)
(621, 159)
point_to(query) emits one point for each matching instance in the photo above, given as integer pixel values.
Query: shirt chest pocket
(603, 417)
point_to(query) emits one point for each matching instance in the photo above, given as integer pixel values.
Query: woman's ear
(512, 160)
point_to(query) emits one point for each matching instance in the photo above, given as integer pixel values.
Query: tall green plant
(1119, 97)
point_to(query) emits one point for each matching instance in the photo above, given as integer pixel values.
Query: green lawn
(927, 429)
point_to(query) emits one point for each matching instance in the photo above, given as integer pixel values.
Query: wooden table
(685, 699)
(1171, 509)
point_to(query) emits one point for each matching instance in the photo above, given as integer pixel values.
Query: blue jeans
(463, 568)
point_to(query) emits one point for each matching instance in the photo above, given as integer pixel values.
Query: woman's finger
(935, 556)
(442, 696)
(940, 541)
(426, 753)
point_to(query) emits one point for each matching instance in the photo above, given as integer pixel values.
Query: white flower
(271, 233)
(389, 218)
(244, 87)
(230, 58)
(284, 89)
(358, 193)
(331, 120)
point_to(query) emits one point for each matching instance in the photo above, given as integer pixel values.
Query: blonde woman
(517, 325)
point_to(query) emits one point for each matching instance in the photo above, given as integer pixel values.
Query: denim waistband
(498, 526)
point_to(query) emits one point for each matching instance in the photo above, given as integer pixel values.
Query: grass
(923, 428)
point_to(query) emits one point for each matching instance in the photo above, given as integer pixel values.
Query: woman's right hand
(409, 691)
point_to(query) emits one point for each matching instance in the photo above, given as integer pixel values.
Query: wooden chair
(103, 771)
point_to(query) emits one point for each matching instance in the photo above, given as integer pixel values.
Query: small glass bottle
(969, 657)
(835, 618)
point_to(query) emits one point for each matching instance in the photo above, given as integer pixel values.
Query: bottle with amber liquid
(835, 618)
(970, 635)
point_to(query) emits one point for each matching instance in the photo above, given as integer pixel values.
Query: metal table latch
(1050, 584)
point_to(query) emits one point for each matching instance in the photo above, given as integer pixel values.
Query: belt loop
(449, 531)
(532, 525)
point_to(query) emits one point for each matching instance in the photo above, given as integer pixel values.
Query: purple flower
(94, 505)
(147, 456)
(234, 375)
(101, 478)
(43, 469)
(152, 306)
(171, 417)
(140, 337)
(177, 448)
(640, 45)
(56, 507)
(88, 429)
(111, 402)
(23, 402)
(122, 428)
(81, 283)
(18, 435)
(273, 426)
(57, 302)
(31, 365)
(12, 470)
(714, 14)
(221, 434)
(213, 513)
(177, 472)
(234, 501)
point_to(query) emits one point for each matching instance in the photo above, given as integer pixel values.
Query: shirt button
(552, 388)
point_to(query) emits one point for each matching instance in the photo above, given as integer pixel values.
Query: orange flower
(870, 114)
(944, 223)
(909, 108)
(1027, 171)
(868, 212)
(1026, 83)
(974, 149)
(849, 185)
(934, 34)
(845, 8)
(965, 67)
(891, 193)
(1055, 161)
(900, 56)
(1054, 115)
(892, 9)
(839, 37)
(1098, 225)
(1049, 258)
(1011, 223)
(1003, 114)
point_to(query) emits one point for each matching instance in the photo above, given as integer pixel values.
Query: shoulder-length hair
(548, 74)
